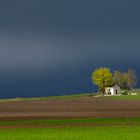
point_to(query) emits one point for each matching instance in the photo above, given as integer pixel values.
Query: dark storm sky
(51, 47)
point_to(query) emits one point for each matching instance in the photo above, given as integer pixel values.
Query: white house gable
(115, 90)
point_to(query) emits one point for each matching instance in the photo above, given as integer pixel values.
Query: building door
(116, 91)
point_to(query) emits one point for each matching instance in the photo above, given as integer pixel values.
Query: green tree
(102, 77)
(118, 78)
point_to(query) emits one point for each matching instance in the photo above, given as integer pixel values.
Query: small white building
(115, 90)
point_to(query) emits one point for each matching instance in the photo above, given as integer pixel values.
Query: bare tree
(127, 80)
(131, 79)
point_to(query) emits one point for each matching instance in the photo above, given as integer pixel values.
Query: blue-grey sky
(51, 47)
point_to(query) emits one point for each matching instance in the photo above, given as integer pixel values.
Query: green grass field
(67, 122)
(109, 129)
(49, 97)
(124, 97)
(73, 133)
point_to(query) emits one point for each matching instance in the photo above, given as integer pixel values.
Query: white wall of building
(116, 90)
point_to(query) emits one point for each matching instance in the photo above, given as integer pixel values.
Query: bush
(124, 92)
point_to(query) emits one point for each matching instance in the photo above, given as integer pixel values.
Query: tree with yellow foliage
(102, 77)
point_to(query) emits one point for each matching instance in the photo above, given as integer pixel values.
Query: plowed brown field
(83, 107)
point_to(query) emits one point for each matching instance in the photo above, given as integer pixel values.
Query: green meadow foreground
(71, 129)
(74, 117)
(73, 133)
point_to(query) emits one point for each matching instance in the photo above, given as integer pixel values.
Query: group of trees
(103, 77)
(126, 80)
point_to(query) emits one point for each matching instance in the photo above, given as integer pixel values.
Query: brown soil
(84, 107)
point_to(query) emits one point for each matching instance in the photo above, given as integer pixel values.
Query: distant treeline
(103, 77)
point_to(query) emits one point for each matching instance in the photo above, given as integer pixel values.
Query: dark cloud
(50, 43)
